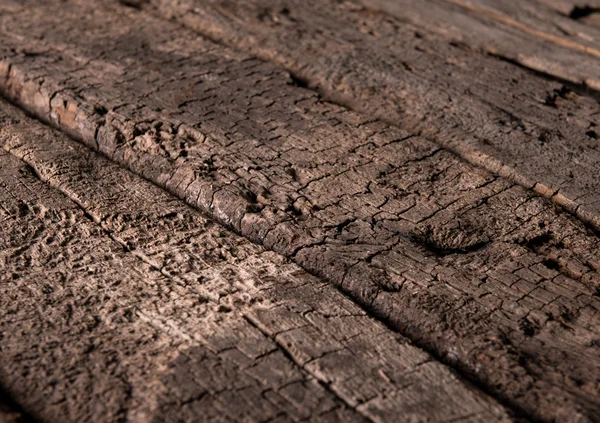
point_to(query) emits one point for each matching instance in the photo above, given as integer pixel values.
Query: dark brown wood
(484, 274)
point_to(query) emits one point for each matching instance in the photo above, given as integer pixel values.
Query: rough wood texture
(119, 302)
(490, 112)
(482, 273)
(524, 32)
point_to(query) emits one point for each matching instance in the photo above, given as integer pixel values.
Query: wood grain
(425, 76)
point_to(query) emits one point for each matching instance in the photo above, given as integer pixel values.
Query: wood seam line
(465, 152)
(70, 195)
(94, 219)
(321, 382)
(490, 164)
(514, 409)
(498, 17)
(110, 234)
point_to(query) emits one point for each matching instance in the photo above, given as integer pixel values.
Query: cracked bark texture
(489, 111)
(121, 303)
(485, 275)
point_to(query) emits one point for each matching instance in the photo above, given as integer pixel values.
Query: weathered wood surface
(490, 112)
(525, 32)
(120, 303)
(482, 273)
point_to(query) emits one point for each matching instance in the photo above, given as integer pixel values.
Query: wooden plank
(492, 113)
(480, 272)
(526, 33)
(118, 301)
